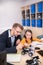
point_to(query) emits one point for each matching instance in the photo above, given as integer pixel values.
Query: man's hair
(18, 25)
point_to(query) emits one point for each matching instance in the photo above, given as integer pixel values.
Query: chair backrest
(3, 58)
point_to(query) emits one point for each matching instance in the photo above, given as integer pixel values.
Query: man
(11, 38)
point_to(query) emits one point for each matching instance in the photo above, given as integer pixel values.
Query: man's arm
(3, 47)
(11, 50)
(18, 39)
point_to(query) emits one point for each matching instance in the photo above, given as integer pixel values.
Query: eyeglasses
(18, 31)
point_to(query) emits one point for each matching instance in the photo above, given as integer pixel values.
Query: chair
(3, 58)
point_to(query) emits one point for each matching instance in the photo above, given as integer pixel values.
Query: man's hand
(18, 41)
(41, 39)
(19, 47)
(26, 45)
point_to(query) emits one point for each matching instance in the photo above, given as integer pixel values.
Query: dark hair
(18, 25)
(30, 32)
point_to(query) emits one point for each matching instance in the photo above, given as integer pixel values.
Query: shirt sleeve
(19, 37)
(36, 39)
(23, 41)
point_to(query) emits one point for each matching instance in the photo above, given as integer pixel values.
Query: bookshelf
(32, 15)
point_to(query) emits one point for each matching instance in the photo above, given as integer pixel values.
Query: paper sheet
(37, 44)
(13, 57)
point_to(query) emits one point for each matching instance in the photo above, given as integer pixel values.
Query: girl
(27, 40)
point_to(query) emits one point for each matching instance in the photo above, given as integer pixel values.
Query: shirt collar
(9, 33)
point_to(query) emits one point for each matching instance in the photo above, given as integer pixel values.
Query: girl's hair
(30, 32)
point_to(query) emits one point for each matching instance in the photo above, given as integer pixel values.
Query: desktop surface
(27, 57)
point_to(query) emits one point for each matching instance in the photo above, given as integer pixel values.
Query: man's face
(16, 31)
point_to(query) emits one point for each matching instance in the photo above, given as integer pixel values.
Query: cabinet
(39, 14)
(32, 15)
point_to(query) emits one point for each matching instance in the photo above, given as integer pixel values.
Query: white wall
(29, 2)
(9, 13)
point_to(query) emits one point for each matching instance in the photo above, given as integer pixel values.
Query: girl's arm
(36, 39)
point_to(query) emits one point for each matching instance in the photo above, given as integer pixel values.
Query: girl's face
(28, 35)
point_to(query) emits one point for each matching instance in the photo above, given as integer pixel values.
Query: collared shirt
(12, 38)
(23, 41)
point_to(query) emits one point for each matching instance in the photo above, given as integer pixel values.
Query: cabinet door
(39, 23)
(40, 6)
(33, 9)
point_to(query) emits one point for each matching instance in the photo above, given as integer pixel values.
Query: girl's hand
(41, 39)
(26, 45)
(19, 47)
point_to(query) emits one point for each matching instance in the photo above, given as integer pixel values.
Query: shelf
(39, 15)
(28, 11)
(32, 16)
(28, 16)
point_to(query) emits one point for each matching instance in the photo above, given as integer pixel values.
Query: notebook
(37, 44)
(13, 57)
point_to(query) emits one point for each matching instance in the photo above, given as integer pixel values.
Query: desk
(25, 57)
